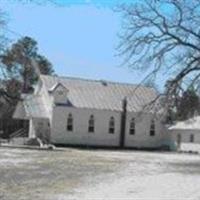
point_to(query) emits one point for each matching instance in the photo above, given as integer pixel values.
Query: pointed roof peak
(55, 86)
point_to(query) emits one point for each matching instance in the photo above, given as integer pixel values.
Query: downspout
(123, 123)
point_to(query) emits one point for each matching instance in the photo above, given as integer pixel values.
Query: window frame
(70, 123)
(111, 128)
(152, 131)
(132, 127)
(91, 124)
(191, 138)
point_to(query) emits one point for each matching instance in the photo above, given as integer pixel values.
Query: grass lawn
(97, 174)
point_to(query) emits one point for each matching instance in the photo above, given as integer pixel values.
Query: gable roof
(190, 124)
(104, 95)
(32, 106)
(56, 86)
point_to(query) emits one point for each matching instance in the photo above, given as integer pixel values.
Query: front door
(179, 138)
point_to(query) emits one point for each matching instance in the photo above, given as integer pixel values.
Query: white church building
(79, 112)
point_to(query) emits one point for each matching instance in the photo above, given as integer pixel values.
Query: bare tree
(164, 36)
(2, 35)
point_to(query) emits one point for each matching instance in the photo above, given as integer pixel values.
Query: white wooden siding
(185, 135)
(80, 134)
(142, 138)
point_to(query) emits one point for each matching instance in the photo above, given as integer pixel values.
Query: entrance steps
(19, 137)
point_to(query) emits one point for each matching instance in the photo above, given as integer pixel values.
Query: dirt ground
(97, 174)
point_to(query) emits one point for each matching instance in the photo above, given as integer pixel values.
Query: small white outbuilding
(185, 132)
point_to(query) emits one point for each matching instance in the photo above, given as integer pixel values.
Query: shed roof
(100, 94)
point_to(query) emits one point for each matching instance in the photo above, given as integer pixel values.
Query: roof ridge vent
(104, 82)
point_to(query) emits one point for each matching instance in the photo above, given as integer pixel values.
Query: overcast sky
(79, 38)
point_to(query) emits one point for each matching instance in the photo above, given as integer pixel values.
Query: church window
(152, 128)
(91, 124)
(70, 122)
(112, 125)
(132, 127)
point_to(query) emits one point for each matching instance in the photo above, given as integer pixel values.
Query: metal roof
(83, 93)
(190, 124)
(32, 106)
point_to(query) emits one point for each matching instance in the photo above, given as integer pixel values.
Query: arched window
(152, 128)
(192, 138)
(132, 127)
(112, 125)
(91, 124)
(70, 122)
